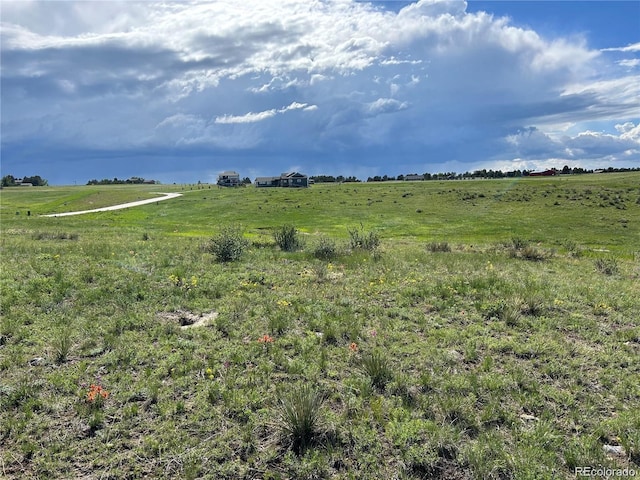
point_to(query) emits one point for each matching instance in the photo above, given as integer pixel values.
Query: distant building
(546, 173)
(291, 180)
(229, 179)
(413, 177)
(266, 181)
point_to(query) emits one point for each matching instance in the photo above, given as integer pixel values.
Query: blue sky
(181, 91)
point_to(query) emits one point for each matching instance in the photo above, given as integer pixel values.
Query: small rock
(614, 450)
(455, 355)
(37, 362)
(528, 418)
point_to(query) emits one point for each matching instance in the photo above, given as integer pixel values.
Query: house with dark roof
(288, 180)
(229, 179)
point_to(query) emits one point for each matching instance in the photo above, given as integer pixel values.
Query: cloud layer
(322, 85)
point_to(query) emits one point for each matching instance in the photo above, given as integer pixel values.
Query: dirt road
(167, 196)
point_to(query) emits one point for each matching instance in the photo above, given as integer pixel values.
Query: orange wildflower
(265, 339)
(96, 392)
(353, 347)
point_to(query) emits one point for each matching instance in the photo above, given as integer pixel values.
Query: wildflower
(265, 339)
(208, 371)
(353, 347)
(96, 392)
(284, 303)
(374, 332)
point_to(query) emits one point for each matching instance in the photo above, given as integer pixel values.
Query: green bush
(228, 245)
(325, 249)
(438, 247)
(532, 253)
(359, 238)
(287, 238)
(519, 243)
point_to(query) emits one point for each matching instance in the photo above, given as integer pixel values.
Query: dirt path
(167, 196)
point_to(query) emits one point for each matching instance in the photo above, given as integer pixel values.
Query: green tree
(8, 181)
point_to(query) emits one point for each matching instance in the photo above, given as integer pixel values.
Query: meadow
(483, 329)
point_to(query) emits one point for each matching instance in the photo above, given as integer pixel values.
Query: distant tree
(36, 180)
(246, 181)
(323, 179)
(8, 181)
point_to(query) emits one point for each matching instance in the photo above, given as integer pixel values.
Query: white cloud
(385, 105)
(635, 47)
(247, 117)
(260, 116)
(631, 63)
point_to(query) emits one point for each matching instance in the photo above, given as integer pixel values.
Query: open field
(494, 332)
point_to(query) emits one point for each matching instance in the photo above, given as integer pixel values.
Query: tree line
(476, 174)
(11, 181)
(117, 181)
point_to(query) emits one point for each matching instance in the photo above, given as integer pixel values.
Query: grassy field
(458, 330)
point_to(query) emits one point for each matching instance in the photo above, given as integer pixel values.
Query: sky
(180, 91)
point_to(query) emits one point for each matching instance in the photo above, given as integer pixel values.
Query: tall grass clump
(287, 238)
(228, 245)
(359, 238)
(376, 366)
(61, 343)
(607, 266)
(299, 417)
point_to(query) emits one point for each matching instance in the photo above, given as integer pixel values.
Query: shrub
(376, 366)
(607, 266)
(358, 238)
(438, 247)
(299, 416)
(228, 245)
(532, 253)
(55, 236)
(287, 238)
(522, 249)
(519, 243)
(325, 249)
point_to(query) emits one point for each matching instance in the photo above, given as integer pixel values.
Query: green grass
(511, 353)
